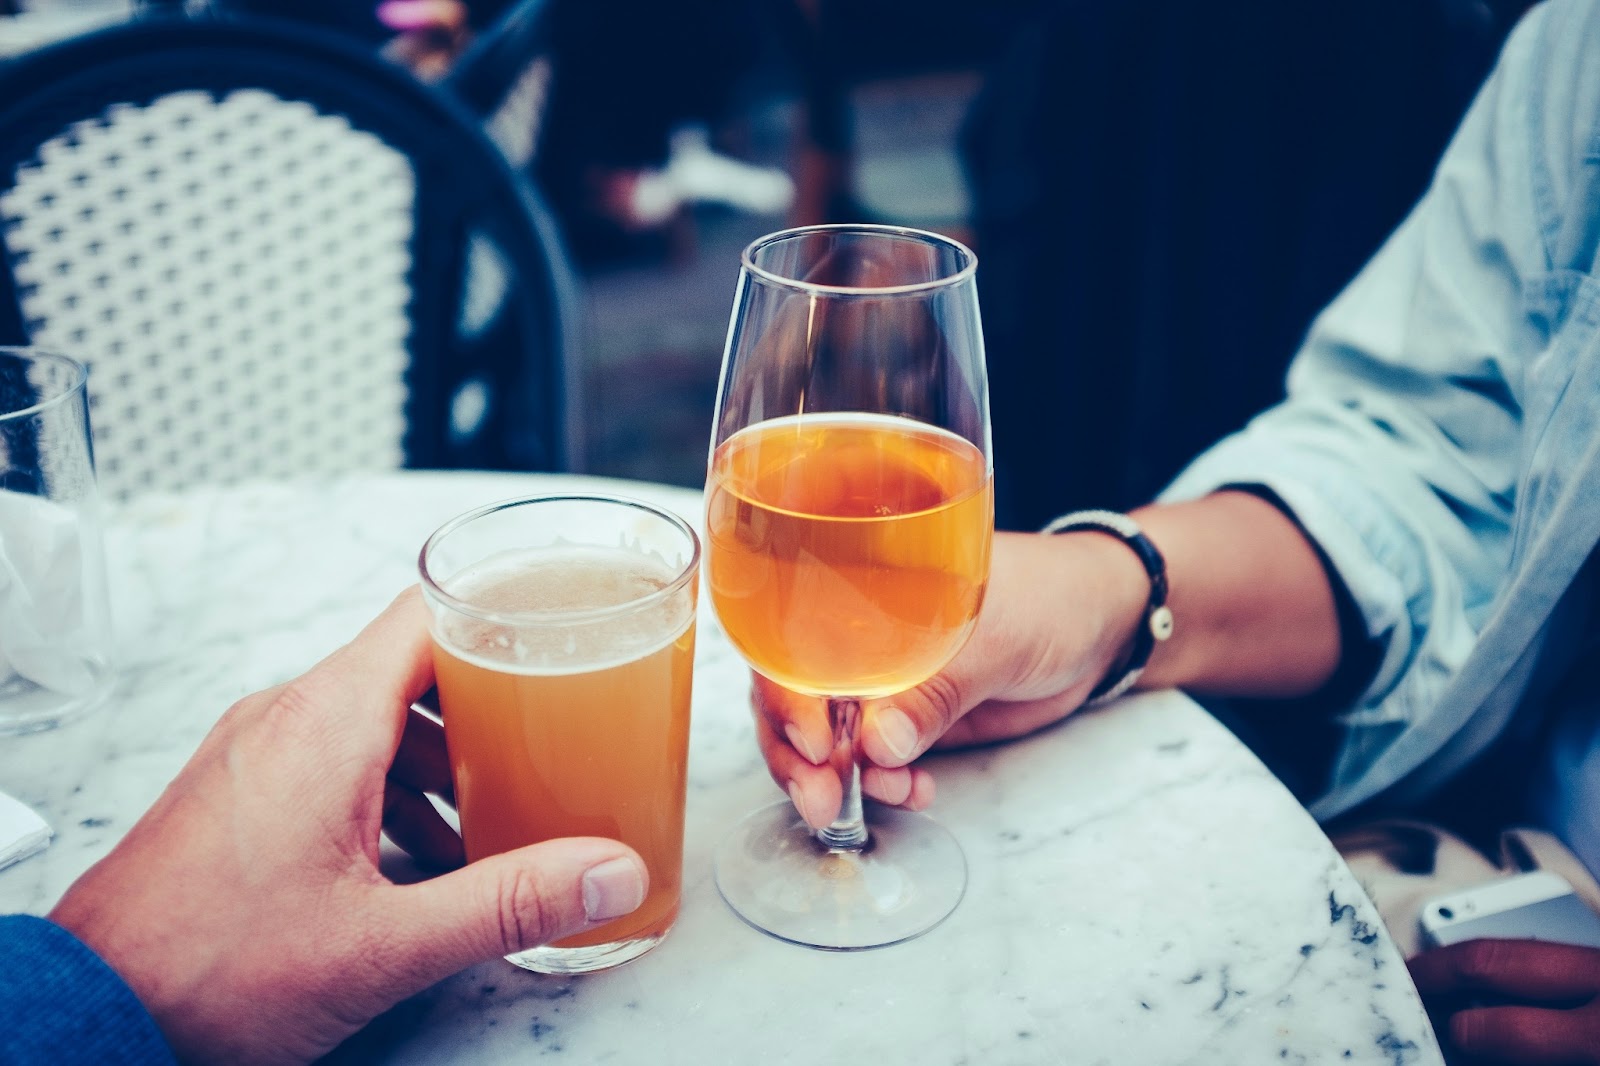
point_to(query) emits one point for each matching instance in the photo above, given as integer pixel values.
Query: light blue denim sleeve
(1397, 448)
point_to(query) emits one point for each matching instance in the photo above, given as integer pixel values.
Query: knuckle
(308, 711)
(300, 702)
(1480, 1031)
(524, 917)
(1467, 1030)
(771, 701)
(242, 716)
(760, 698)
(1480, 960)
(243, 708)
(945, 699)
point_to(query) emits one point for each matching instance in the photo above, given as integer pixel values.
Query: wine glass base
(778, 877)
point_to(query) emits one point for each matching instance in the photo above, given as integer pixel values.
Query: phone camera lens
(1446, 913)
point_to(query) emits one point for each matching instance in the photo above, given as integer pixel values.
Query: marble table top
(1142, 890)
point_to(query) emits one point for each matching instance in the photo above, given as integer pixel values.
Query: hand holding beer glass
(563, 635)
(850, 514)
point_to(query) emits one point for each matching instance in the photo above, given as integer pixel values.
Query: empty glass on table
(55, 617)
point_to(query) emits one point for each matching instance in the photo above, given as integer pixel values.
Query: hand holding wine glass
(1027, 665)
(849, 523)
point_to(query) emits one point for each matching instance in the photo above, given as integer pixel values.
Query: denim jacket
(1441, 436)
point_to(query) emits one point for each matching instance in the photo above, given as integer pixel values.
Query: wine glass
(849, 519)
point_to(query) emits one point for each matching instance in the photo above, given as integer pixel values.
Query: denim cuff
(62, 1005)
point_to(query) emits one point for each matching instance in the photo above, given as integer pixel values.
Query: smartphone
(1530, 906)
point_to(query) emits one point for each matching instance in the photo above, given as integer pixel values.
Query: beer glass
(563, 631)
(55, 615)
(849, 519)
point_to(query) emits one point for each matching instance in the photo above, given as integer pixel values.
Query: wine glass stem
(849, 831)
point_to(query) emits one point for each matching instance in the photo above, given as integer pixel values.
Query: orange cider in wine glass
(579, 729)
(848, 553)
(849, 516)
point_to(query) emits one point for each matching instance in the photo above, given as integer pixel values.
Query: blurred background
(1161, 194)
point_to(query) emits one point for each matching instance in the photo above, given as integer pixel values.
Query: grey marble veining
(1142, 890)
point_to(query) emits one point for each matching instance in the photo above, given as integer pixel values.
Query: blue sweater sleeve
(61, 1005)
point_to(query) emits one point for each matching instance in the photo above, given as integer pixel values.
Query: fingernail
(612, 889)
(797, 798)
(897, 733)
(797, 738)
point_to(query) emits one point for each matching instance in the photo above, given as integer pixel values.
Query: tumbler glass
(563, 634)
(55, 616)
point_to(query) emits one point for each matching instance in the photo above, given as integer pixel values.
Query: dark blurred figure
(834, 45)
(1165, 195)
(632, 72)
(638, 85)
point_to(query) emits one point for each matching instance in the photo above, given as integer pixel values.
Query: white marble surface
(1142, 890)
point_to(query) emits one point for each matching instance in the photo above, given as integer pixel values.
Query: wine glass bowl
(849, 520)
(851, 551)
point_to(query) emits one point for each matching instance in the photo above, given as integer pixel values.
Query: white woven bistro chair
(260, 238)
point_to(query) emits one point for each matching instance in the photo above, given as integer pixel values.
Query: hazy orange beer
(563, 646)
(848, 552)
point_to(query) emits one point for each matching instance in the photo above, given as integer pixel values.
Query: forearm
(1253, 609)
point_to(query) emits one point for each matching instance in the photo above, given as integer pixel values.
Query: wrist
(1110, 588)
(1135, 619)
(105, 920)
(1059, 612)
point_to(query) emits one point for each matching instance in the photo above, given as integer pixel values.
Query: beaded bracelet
(1156, 625)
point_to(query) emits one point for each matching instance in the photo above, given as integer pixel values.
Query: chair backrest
(504, 77)
(260, 237)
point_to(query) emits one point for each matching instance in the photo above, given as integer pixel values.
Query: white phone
(1531, 906)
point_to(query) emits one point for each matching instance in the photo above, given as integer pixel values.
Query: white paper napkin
(22, 831)
(45, 631)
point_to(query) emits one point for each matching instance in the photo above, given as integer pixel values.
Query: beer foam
(573, 580)
(566, 578)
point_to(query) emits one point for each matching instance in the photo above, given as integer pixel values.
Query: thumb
(1020, 652)
(899, 728)
(514, 901)
(1003, 646)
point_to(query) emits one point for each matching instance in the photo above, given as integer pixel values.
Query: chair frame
(461, 179)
